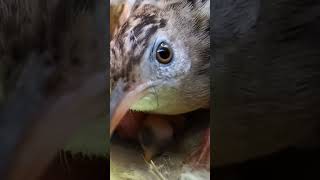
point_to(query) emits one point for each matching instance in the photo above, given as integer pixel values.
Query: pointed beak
(121, 101)
(148, 155)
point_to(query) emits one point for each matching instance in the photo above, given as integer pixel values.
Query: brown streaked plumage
(139, 81)
(145, 20)
(131, 40)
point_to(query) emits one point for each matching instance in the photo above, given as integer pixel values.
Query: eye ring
(164, 53)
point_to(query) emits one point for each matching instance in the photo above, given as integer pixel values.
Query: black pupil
(163, 52)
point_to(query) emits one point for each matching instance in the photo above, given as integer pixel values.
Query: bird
(156, 135)
(160, 63)
(158, 132)
(52, 66)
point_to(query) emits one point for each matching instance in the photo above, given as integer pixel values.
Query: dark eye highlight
(164, 53)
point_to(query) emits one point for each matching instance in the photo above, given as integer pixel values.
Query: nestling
(160, 60)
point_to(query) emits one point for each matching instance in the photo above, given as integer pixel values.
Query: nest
(126, 158)
(127, 161)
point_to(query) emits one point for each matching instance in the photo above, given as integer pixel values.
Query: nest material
(127, 162)
(90, 140)
(76, 166)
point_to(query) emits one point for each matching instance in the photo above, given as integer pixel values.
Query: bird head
(155, 136)
(160, 61)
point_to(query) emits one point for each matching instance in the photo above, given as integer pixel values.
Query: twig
(156, 171)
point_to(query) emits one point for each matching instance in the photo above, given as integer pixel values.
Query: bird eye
(164, 53)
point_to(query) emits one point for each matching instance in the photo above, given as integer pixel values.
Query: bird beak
(148, 155)
(121, 101)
